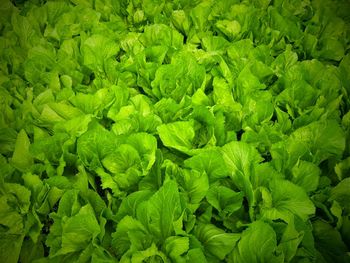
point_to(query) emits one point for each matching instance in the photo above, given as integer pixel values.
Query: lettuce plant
(174, 131)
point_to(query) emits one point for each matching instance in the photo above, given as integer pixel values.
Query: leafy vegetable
(174, 131)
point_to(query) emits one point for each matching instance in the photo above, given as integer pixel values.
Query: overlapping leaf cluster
(174, 131)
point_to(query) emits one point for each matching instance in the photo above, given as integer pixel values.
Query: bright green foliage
(257, 244)
(174, 131)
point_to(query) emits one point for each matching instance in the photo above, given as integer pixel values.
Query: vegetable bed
(174, 131)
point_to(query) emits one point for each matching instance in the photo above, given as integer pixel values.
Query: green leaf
(93, 103)
(182, 77)
(290, 241)
(7, 140)
(74, 226)
(329, 243)
(196, 255)
(344, 68)
(31, 251)
(130, 234)
(74, 127)
(230, 28)
(240, 159)
(49, 148)
(177, 135)
(79, 230)
(215, 241)
(94, 145)
(342, 168)
(124, 158)
(151, 253)
(210, 162)
(306, 175)
(181, 21)
(288, 198)
(224, 199)
(160, 34)
(129, 204)
(21, 158)
(195, 185)
(146, 146)
(176, 247)
(10, 247)
(160, 212)
(96, 50)
(299, 95)
(258, 243)
(14, 207)
(341, 194)
(324, 139)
